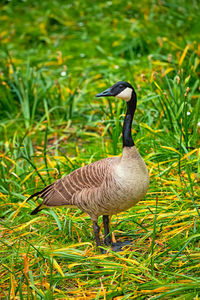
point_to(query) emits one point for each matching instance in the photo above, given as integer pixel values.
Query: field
(54, 57)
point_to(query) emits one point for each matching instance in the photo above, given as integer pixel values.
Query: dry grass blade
(53, 60)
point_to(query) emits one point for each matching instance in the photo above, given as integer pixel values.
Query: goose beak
(105, 93)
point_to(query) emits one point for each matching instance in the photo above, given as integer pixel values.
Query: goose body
(107, 186)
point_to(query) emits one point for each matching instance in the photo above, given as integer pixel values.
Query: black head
(121, 89)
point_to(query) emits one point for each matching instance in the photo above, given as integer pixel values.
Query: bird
(108, 186)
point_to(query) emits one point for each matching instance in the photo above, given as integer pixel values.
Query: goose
(108, 186)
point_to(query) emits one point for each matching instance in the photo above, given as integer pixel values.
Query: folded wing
(63, 191)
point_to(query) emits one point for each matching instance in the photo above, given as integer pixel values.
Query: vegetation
(55, 56)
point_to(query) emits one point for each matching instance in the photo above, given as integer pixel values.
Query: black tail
(36, 210)
(39, 193)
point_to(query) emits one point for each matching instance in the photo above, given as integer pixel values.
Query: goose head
(121, 89)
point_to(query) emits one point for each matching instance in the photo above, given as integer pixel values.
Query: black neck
(131, 106)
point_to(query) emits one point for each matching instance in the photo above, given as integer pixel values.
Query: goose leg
(107, 238)
(96, 229)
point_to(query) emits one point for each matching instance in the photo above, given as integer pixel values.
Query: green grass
(54, 58)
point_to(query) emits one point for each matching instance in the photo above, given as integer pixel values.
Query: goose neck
(127, 137)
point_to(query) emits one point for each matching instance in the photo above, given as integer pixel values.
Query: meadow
(54, 57)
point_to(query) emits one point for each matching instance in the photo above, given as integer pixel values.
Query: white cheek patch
(125, 94)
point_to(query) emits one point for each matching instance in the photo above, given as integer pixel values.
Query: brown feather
(68, 190)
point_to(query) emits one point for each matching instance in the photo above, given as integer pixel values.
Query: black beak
(105, 93)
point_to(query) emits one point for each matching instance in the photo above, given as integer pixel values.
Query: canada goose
(107, 186)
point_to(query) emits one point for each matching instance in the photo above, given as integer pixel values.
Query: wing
(62, 191)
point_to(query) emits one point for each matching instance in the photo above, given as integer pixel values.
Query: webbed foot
(117, 247)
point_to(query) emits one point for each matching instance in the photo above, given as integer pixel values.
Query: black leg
(107, 238)
(96, 233)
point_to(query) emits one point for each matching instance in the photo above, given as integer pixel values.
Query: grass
(54, 59)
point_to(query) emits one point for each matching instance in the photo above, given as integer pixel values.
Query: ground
(54, 58)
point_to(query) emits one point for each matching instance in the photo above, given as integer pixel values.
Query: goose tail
(38, 195)
(40, 192)
(36, 210)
